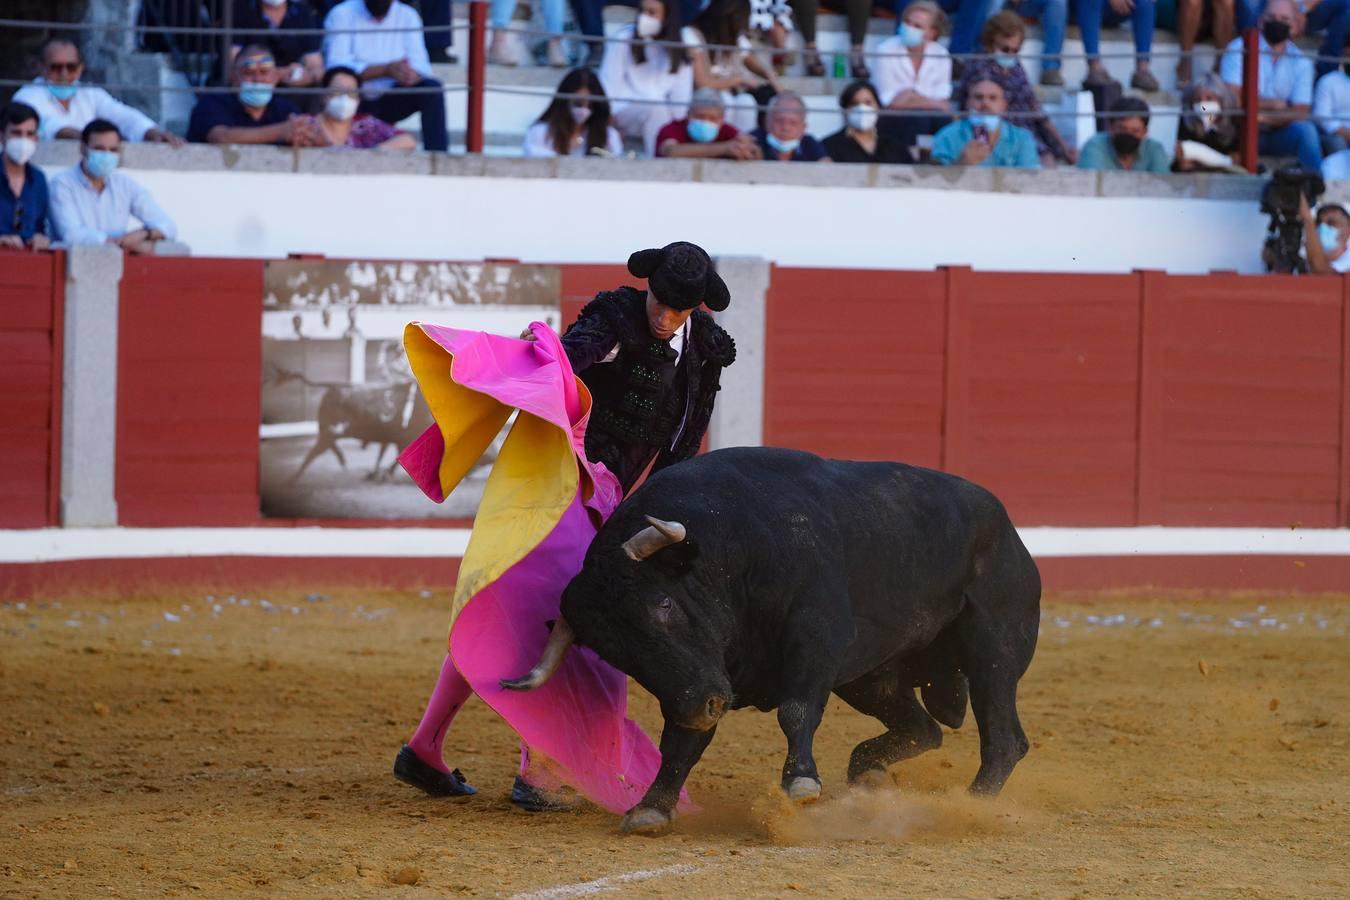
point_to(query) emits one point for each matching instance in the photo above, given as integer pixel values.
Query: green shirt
(1099, 155)
(1015, 148)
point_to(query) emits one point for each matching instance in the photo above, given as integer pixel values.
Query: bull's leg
(799, 717)
(681, 749)
(323, 443)
(886, 695)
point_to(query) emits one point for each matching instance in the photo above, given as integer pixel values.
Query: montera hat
(681, 276)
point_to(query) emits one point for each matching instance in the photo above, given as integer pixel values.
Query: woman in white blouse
(648, 79)
(576, 123)
(733, 73)
(913, 73)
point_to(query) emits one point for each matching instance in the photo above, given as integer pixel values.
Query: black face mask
(379, 8)
(1275, 32)
(1346, 68)
(1125, 144)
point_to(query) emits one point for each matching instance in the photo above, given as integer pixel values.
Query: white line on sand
(608, 883)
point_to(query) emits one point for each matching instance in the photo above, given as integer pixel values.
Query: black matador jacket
(645, 405)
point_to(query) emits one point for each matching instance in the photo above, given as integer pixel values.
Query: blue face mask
(1329, 236)
(781, 146)
(254, 94)
(703, 131)
(63, 92)
(1006, 60)
(100, 163)
(988, 120)
(909, 35)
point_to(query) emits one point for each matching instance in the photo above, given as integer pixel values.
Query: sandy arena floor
(1181, 747)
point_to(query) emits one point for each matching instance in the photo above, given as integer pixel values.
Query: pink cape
(577, 721)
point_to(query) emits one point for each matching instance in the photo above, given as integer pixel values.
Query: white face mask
(1208, 111)
(580, 114)
(342, 106)
(20, 149)
(861, 117)
(275, 3)
(648, 26)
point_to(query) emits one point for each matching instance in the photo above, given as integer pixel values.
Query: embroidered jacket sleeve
(594, 336)
(713, 350)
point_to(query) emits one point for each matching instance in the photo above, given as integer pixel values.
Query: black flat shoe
(409, 769)
(531, 799)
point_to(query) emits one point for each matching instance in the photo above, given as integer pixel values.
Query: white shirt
(538, 143)
(377, 43)
(677, 341)
(894, 72)
(83, 215)
(1331, 102)
(88, 104)
(1290, 77)
(624, 79)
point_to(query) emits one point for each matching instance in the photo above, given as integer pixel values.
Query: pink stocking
(450, 694)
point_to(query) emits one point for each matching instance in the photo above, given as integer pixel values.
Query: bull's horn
(649, 540)
(552, 657)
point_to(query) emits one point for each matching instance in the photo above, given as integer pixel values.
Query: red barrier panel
(854, 363)
(188, 397)
(1043, 393)
(1343, 511)
(1242, 394)
(580, 284)
(32, 335)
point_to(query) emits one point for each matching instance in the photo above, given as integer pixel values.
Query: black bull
(771, 578)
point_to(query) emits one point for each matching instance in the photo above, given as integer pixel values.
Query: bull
(771, 578)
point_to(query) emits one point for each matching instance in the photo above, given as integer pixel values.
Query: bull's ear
(675, 560)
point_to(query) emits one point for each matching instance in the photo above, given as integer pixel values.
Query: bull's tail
(282, 375)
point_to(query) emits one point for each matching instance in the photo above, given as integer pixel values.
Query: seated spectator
(590, 19)
(92, 202)
(23, 196)
(1002, 39)
(381, 40)
(971, 16)
(1223, 27)
(1207, 135)
(771, 22)
(299, 57)
(859, 141)
(858, 13)
(784, 136)
(1054, 18)
(1142, 15)
(705, 134)
(985, 138)
(1125, 146)
(914, 75)
(652, 81)
(506, 46)
(1331, 107)
(253, 114)
(342, 126)
(1284, 85)
(1325, 238)
(65, 106)
(576, 123)
(735, 73)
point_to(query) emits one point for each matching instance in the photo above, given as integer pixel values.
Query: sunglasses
(68, 67)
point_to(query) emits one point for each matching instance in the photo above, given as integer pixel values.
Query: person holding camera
(1325, 237)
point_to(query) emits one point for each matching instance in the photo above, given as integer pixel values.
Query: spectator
(1325, 238)
(437, 17)
(971, 17)
(705, 133)
(381, 41)
(576, 123)
(648, 73)
(253, 114)
(591, 22)
(771, 21)
(859, 141)
(1284, 85)
(914, 75)
(784, 136)
(725, 23)
(1002, 40)
(64, 106)
(1331, 107)
(1222, 26)
(341, 125)
(1054, 18)
(92, 202)
(858, 13)
(299, 57)
(1142, 15)
(23, 196)
(506, 48)
(985, 138)
(1125, 146)
(1207, 136)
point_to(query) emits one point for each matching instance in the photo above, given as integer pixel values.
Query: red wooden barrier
(580, 284)
(1343, 513)
(188, 393)
(32, 335)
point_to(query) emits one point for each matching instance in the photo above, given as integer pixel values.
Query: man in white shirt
(92, 202)
(1331, 107)
(913, 74)
(381, 40)
(65, 106)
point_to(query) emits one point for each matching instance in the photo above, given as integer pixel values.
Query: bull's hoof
(645, 820)
(803, 790)
(870, 780)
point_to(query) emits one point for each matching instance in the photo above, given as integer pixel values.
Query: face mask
(1125, 144)
(1006, 60)
(781, 146)
(1275, 32)
(648, 26)
(580, 114)
(1208, 111)
(703, 131)
(341, 107)
(861, 117)
(63, 91)
(988, 120)
(379, 8)
(255, 95)
(1329, 236)
(100, 163)
(20, 149)
(275, 3)
(909, 35)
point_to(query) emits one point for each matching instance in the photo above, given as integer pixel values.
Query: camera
(1282, 251)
